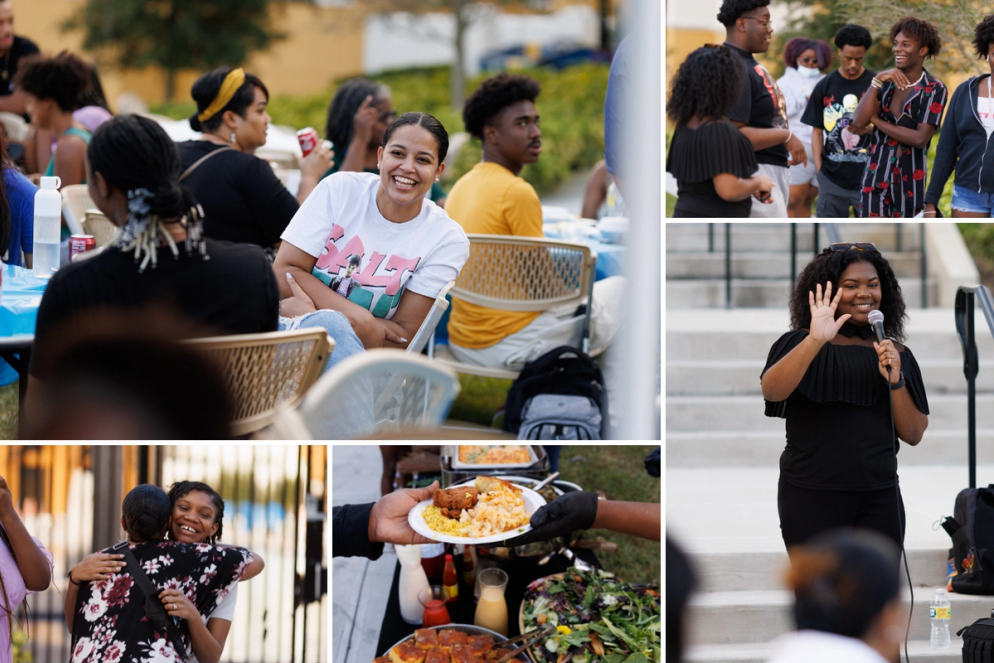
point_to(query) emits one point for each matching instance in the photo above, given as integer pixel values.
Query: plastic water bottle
(47, 227)
(941, 613)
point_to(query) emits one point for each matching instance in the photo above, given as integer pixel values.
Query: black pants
(805, 512)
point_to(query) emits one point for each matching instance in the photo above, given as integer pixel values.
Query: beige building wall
(322, 44)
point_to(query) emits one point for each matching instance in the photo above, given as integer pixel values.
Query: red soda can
(80, 244)
(308, 139)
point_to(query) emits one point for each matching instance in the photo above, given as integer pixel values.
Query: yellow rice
(495, 513)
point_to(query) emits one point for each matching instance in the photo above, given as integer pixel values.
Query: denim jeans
(967, 200)
(338, 327)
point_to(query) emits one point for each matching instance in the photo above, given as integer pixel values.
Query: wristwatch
(899, 384)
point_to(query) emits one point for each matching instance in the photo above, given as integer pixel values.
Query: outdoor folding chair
(376, 391)
(98, 225)
(427, 329)
(522, 274)
(266, 371)
(75, 202)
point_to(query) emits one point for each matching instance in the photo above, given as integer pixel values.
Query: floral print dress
(110, 626)
(894, 176)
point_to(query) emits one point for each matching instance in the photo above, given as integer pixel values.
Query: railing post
(971, 392)
(816, 240)
(728, 265)
(924, 270)
(793, 254)
(710, 238)
(898, 236)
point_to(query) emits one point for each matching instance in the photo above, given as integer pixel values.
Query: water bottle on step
(941, 613)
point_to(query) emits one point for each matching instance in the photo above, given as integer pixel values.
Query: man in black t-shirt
(760, 113)
(840, 151)
(12, 49)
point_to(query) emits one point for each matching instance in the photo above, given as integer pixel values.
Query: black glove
(570, 513)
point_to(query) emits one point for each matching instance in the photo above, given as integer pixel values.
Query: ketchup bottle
(450, 580)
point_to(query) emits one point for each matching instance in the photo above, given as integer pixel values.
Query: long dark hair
(146, 512)
(828, 266)
(205, 89)
(183, 488)
(707, 84)
(339, 128)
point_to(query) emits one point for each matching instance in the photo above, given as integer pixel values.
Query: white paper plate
(533, 501)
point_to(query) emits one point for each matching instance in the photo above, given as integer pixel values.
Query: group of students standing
(852, 139)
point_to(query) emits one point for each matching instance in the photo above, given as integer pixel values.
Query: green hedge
(571, 106)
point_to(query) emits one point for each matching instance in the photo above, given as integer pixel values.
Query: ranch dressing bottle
(412, 581)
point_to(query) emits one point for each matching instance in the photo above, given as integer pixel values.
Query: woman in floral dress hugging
(107, 618)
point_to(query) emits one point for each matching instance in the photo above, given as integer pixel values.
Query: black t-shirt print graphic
(761, 105)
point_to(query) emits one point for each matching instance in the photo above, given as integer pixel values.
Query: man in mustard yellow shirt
(493, 199)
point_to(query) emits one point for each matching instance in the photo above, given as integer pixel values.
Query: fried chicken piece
(449, 637)
(480, 644)
(425, 638)
(407, 652)
(452, 501)
(491, 484)
(382, 659)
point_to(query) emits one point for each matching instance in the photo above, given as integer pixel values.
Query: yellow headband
(231, 83)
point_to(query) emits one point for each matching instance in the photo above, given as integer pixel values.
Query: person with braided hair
(197, 517)
(713, 162)
(160, 258)
(25, 567)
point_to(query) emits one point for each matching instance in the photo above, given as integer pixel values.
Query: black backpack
(972, 532)
(559, 396)
(978, 641)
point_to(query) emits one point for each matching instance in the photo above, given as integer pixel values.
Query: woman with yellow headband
(243, 200)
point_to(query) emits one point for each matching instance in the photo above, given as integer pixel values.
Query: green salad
(598, 618)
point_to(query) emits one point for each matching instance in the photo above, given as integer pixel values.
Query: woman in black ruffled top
(713, 163)
(828, 378)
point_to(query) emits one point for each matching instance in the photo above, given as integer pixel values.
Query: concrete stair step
(727, 572)
(731, 377)
(775, 237)
(763, 265)
(699, 334)
(920, 651)
(759, 616)
(745, 413)
(768, 293)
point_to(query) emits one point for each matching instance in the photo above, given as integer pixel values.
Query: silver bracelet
(790, 134)
(876, 82)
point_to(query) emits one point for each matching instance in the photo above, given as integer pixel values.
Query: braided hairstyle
(146, 512)
(135, 155)
(183, 488)
(205, 89)
(340, 126)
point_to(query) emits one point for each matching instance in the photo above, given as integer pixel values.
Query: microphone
(876, 319)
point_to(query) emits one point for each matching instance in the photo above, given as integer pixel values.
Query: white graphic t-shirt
(340, 220)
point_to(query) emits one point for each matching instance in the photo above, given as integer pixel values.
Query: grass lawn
(8, 412)
(618, 470)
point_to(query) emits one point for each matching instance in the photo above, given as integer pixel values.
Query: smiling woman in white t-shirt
(406, 248)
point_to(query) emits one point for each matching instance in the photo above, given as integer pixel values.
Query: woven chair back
(265, 371)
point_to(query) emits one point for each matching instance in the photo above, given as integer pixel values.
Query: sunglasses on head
(855, 246)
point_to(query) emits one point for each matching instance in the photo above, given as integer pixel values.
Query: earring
(377, 166)
(436, 179)
(232, 136)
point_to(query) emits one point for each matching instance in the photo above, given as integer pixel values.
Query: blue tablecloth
(20, 296)
(610, 257)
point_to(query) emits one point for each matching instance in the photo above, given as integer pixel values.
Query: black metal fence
(275, 504)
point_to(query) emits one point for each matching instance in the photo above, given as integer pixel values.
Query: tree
(954, 19)
(175, 34)
(464, 12)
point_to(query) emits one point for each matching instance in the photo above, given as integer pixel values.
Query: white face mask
(807, 72)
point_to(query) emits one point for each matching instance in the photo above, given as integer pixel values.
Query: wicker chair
(75, 202)
(377, 391)
(266, 371)
(98, 225)
(521, 274)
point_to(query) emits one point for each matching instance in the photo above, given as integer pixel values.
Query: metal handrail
(966, 299)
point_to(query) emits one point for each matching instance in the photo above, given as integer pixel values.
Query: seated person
(12, 49)
(405, 247)
(492, 199)
(17, 208)
(357, 117)
(242, 198)
(160, 256)
(52, 88)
